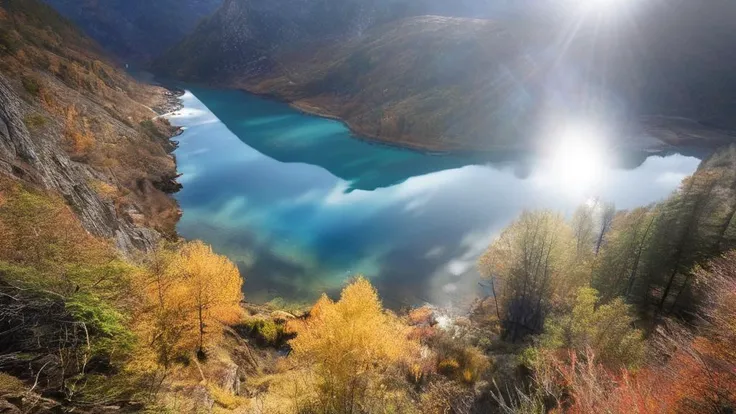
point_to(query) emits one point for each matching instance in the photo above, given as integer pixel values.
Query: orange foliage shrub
(78, 136)
(421, 316)
(697, 376)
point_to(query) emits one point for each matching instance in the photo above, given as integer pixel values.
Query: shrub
(607, 330)
(226, 399)
(105, 324)
(266, 332)
(10, 43)
(448, 367)
(34, 121)
(421, 316)
(10, 385)
(32, 85)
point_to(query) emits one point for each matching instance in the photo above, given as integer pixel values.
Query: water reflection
(301, 206)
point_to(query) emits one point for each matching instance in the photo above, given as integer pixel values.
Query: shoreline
(689, 142)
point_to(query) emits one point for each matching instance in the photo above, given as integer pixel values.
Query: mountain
(136, 30)
(454, 82)
(75, 125)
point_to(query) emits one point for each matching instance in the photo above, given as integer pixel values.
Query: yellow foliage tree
(214, 285)
(188, 294)
(352, 343)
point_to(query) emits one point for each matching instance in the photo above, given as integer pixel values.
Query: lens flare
(576, 159)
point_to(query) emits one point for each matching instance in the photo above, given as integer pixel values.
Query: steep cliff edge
(73, 123)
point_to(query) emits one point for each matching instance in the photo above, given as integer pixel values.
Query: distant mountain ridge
(457, 83)
(136, 30)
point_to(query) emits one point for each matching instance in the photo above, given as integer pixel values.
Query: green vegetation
(655, 269)
(163, 328)
(34, 121)
(31, 85)
(120, 322)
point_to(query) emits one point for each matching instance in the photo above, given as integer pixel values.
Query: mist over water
(301, 206)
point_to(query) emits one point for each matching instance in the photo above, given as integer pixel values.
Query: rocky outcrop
(44, 163)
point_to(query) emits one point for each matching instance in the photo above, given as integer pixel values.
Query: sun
(576, 159)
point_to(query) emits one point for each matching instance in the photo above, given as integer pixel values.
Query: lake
(300, 205)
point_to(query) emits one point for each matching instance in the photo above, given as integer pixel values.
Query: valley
(367, 206)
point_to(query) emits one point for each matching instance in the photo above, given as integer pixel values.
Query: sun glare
(608, 7)
(576, 159)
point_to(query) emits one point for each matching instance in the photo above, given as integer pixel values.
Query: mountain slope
(74, 124)
(448, 83)
(136, 30)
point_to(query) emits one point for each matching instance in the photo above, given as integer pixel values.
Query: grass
(10, 385)
(226, 399)
(267, 332)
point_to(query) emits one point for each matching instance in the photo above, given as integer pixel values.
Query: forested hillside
(448, 83)
(136, 31)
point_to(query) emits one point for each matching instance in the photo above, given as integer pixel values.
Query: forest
(604, 311)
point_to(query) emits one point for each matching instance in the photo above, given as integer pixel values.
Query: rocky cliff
(73, 123)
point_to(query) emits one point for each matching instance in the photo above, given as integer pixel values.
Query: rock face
(46, 164)
(460, 83)
(81, 128)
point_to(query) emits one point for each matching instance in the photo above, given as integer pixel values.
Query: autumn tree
(352, 343)
(188, 294)
(695, 374)
(535, 265)
(214, 286)
(163, 321)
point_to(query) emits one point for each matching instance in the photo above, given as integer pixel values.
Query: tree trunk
(201, 331)
(637, 259)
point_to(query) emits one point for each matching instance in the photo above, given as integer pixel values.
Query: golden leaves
(351, 342)
(188, 294)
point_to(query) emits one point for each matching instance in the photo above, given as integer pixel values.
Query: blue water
(301, 206)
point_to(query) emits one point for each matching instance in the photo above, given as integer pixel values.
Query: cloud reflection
(296, 228)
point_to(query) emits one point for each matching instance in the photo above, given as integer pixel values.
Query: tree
(187, 296)
(607, 213)
(583, 226)
(681, 234)
(618, 264)
(352, 343)
(697, 373)
(162, 319)
(214, 285)
(605, 331)
(535, 264)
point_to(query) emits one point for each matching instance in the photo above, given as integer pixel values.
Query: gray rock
(46, 164)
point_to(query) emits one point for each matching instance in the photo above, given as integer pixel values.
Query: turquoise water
(301, 206)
